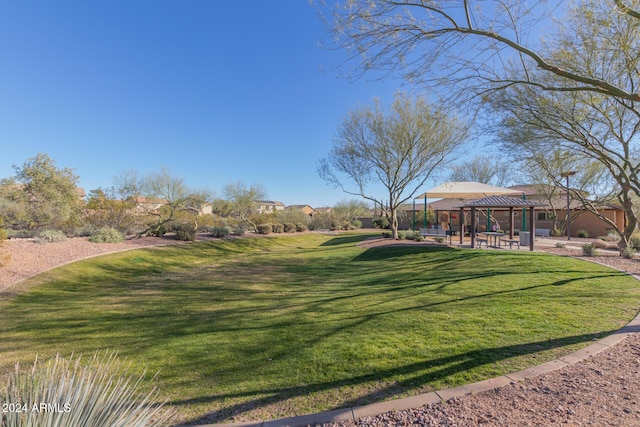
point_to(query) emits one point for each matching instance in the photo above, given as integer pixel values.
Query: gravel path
(603, 390)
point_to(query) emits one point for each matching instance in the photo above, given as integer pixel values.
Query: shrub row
(281, 228)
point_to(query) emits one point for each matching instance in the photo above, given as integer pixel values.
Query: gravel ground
(603, 390)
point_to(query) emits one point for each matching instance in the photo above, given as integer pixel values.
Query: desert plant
(589, 250)
(386, 234)
(264, 228)
(50, 236)
(185, 231)
(3, 232)
(103, 392)
(634, 242)
(239, 230)
(419, 238)
(301, 228)
(628, 252)
(560, 245)
(402, 235)
(107, 235)
(439, 239)
(583, 234)
(381, 222)
(289, 227)
(222, 232)
(278, 228)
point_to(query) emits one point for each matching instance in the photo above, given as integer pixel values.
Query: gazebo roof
(501, 202)
(464, 190)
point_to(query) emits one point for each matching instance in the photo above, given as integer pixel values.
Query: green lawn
(278, 326)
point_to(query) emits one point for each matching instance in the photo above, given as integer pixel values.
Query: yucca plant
(64, 393)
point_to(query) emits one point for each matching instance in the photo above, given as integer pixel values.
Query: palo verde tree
(399, 149)
(243, 201)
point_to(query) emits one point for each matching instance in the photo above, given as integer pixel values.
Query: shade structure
(465, 190)
(501, 202)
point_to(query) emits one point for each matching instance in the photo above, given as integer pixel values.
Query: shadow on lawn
(420, 374)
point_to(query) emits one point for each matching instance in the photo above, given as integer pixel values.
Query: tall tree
(47, 195)
(485, 169)
(399, 149)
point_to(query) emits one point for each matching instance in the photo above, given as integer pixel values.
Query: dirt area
(603, 390)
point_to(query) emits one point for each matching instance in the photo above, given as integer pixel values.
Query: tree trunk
(393, 223)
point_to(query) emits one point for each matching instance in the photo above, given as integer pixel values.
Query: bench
(511, 242)
(543, 232)
(481, 240)
(432, 232)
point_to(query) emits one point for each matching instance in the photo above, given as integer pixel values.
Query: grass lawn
(279, 326)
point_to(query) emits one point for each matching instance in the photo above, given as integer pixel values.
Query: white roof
(465, 190)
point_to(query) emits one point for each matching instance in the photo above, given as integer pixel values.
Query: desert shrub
(439, 239)
(102, 392)
(634, 242)
(85, 231)
(589, 250)
(355, 224)
(289, 227)
(185, 231)
(278, 228)
(20, 234)
(3, 232)
(220, 232)
(381, 222)
(300, 227)
(50, 236)
(402, 234)
(560, 245)
(386, 234)
(556, 231)
(264, 228)
(628, 252)
(106, 235)
(419, 238)
(583, 234)
(239, 230)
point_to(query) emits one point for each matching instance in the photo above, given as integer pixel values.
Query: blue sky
(215, 91)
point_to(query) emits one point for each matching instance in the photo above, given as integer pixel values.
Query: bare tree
(398, 149)
(475, 45)
(485, 169)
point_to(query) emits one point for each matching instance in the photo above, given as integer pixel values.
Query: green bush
(583, 233)
(289, 227)
(221, 232)
(20, 234)
(439, 239)
(300, 227)
(402, 235)
(185, 231)
(628, 252)
(264, 228)
(239, 231)
(50, 236)
(560, 245)
(381, 222)
(635, 242)
(589, 250)
(419, 238)
(100, 393)
(278, 228)
(107, 235)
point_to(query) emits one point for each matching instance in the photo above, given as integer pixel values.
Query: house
(269, 206)
(305, 209)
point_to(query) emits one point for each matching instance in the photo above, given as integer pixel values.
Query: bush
(107, 235)
(439, 239)
(420, 238)
(628, 252)
(589, 250)
(289, 227)
(101, 393)
(635, 242)
(221, 232)
(264, 228)
(386, 234)
(560, 245)
(3, 232)
(381, 222)
(278, 228)
(50, 236)
(583, 233)
(402, 235)
(19, 234)
(239, 231)
(185, 231)
(300, 227)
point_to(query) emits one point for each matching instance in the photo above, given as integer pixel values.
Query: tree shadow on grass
(418, 376)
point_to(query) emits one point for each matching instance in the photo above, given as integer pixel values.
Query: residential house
(269, 206)
(305, 209)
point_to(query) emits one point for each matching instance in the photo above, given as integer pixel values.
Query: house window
(543, 216)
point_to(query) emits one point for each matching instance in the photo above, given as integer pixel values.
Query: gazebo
(501, 202)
